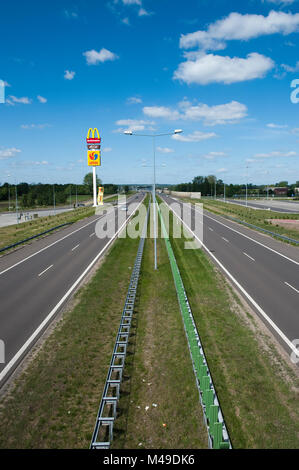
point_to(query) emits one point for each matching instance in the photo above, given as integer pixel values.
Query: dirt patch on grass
(287, 223)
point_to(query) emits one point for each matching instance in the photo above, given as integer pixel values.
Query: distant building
(281, 191)
(296, 190)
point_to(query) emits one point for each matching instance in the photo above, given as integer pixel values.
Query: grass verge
(159, 405)
(54, 402)
(15, 233)
(258, 391)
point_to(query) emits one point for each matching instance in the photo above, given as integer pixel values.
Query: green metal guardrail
(34, 236)
(217, 431)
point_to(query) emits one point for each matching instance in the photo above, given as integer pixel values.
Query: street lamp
(54, 198)
(176, 131)
(246, 185)
(8, 176)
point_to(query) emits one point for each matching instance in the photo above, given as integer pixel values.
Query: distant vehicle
(80, 205)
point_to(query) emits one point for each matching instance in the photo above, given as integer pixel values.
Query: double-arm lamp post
(153, 136)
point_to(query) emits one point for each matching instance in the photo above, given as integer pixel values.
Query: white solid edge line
(54, 243)
(252, 239)
(254, 303)
(54, 310)
(292, 287)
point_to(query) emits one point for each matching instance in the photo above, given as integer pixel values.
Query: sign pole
(93, 157)
(94, 186)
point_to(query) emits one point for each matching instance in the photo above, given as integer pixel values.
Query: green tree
(88, 181)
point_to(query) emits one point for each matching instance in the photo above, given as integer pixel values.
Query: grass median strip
(55, 400)
(257, 389)
(159, 405)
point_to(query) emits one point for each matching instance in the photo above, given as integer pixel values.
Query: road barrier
(108, 405)
(217, 431)
(34, 236)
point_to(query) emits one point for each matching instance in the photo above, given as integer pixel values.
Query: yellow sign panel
(93, 157)
(100, 196)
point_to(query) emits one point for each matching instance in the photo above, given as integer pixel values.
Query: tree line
(32, 195)
(210, 185)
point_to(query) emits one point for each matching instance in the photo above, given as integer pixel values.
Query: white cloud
(289, 68)
(13, 99)
(44, 162)
(209, 68)
(93, 57)
(241, 27)
(275, 154)
(134, 100)
(131, 2)
(161, 111)
(277, 126)
(41, 99)
(107, 149)
(34, 126)
(280, 2)
(9, 153)
(196, 136)
(143, 12)
(69, 74)
(227, 113)
(164, 150)
(6, 84)
(221, 170)
(133, 125)
(126, 21)
(213, 155)
(70, 14)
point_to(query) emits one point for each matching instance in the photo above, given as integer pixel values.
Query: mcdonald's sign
(93, 139)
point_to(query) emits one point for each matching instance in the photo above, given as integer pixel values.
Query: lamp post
(17, 202)
(246, 184)
(153, 136)
(54, 198)
(8, 176)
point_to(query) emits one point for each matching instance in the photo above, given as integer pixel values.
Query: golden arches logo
(93, 139)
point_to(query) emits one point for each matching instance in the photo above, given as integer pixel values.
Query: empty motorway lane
(36, 281)
(266, 271)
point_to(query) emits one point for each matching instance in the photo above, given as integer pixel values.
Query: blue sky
(221, 73)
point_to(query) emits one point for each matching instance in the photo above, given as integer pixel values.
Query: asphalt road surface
(264, 270)
(277, 206)
(37, 280)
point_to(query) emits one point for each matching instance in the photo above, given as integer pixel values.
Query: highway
(264, 270)
(37, 280)
(277, 206)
